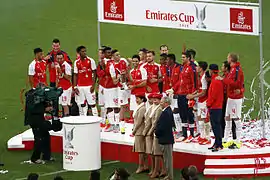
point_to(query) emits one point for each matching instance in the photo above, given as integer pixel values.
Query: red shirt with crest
(84, 68)
(153, 71)
(138, 75)
(66, 70)
(37, 69)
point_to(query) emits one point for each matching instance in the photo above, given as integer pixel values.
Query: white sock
(238, 129)
(207, 128)
(201, 128)
(94, 111)
(102, 114)
(122, 126)
(176, 118)
(110, 116)
(117, 118)
(228, 129)
(83, 110)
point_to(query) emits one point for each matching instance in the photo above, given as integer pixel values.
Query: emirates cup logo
(114, 10)
(200, 15)
(113, 7)
(68, 138)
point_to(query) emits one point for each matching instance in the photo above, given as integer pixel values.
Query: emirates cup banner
(211, 17)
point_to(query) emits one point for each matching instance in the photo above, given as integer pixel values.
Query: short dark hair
(207, 74)
(80, 48)
(107, 48)
(163, 45)
(37, 50)
(152, 52)
(136, 56)
(32, 176)
(172, 57)
(59, 54)
(143, 50)
(192, 52)
(56, 40)
(227, 65)
(163, 55)
(114, 51)
(203, 65)
(58, 178)
(101, 48)
(187, 54)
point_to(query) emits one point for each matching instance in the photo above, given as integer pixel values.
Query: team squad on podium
(198, 96)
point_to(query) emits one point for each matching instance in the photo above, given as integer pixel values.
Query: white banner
(211, 17)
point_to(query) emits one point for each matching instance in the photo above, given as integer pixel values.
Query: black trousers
(42, 141)
(186, 115)
(223, 122)
(215, 119)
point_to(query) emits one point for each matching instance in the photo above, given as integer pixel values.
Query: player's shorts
(133, 104)
(101, 95)
(65, 98)
(234, 108)
(174, 103)
(123, 96)
(202, 110)
(111, 98)
(85, 94)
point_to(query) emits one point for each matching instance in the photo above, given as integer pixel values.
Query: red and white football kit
(153, 71)
(111, 89)
(51, 67)
(84, 68)
(123, 92)
(138, 75)
(234, 81)
(202, 109)
(37, 69)
(65, 84)
(101, 80)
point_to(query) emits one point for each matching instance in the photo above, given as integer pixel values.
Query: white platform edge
(235, 171)
(226, 162)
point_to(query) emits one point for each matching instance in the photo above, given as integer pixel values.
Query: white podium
(81, 143)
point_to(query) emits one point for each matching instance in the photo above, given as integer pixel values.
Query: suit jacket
(164, 128)
(147, 121)
(157, 113)
(139, 121)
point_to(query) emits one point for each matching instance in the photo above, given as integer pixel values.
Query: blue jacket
(164, 128)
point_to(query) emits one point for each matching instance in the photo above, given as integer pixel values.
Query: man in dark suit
(164, 133)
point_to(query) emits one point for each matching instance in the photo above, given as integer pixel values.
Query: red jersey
(215, 94)
(66, 70)
(203, 85)
(153, 71)
(234, 81)
(53, 59)
(164, 70)
(138, 75)
(174, 73)
(110, 71)
(84, 68)
(187, 83)
(37, 69)
(101, 75)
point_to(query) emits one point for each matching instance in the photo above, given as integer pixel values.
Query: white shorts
(174, 103)
(123, 96)
(234, 108)
(65, 98)
(85, 94)
(101, 95)
(133, 104)
(111, 98)
(202, 110)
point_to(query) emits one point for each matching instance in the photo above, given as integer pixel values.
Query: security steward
(39, 101)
